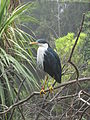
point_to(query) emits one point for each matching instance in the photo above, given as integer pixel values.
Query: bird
(48, 60)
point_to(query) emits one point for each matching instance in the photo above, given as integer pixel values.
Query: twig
(75, 69)
(19, 89)
(64, 113)
(79, 95)
(66, 97)
(3, 106)
(23, 118)
(84, 112)
(77, 38)
(82, 105)
(72, 51)
(38, 93)
(43, 105)
(55, 96)
(20, 102)
(86, 93)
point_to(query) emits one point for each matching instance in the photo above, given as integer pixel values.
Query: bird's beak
(33, 43)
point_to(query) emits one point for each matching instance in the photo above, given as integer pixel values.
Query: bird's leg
(51, 87)
(53, 84)
(43, 87)
(46, 78)
(42, 91)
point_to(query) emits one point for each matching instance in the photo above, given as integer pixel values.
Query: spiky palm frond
(16, 61)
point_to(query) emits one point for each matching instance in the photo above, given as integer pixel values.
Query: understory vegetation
(21, 81)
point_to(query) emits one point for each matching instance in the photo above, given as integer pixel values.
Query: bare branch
(38, 93)
(79, 95)
(84, 112)
(17, 98)
(77, 38)
(72, 51)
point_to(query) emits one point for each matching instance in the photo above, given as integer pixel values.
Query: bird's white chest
(40, 56)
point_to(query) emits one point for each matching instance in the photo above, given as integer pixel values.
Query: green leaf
(15, 14)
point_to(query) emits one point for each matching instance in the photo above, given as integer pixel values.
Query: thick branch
(38, 93)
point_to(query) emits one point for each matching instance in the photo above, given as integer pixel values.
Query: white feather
(40, 54)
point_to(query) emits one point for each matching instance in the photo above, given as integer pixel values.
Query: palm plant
(16, 59)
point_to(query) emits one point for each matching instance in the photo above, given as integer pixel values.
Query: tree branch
(17, 98)
(83, 17)
(38, 93)
(72, 51)
(79, 95)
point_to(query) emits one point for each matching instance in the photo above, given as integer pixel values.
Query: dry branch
(38, 93)
(79, 95)
(72, 51)
(17, 98)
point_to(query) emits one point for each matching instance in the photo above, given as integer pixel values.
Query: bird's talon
(51, 89)
(42, 92)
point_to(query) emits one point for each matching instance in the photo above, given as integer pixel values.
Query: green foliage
(86, 29)
(8, 19)
(64, 46)
(16, 58)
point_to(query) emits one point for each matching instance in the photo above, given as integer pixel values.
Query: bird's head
(41, 43)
